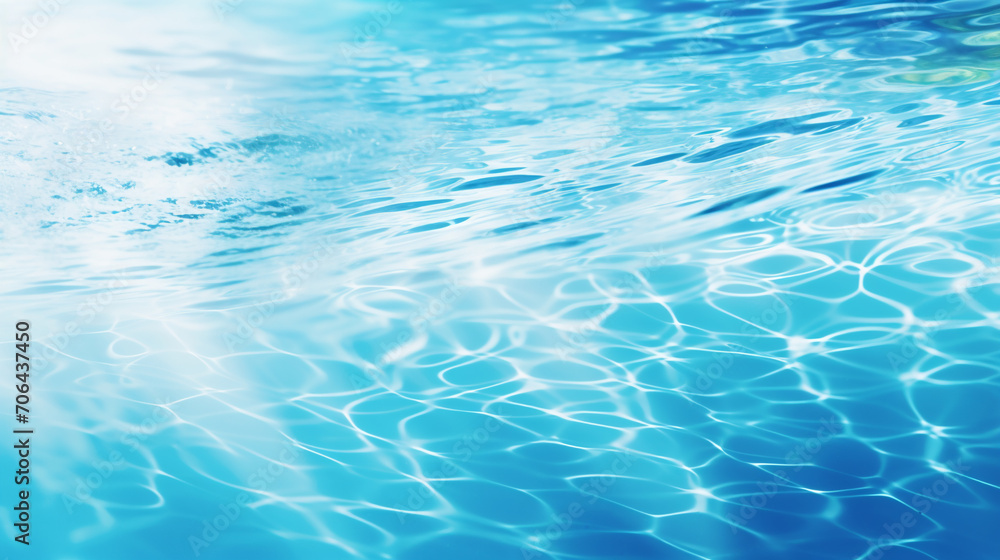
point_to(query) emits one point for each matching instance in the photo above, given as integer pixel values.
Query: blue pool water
(416, 280)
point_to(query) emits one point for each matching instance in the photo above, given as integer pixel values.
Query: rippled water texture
(505, 280)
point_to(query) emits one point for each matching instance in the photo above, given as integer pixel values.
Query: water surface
(518, 280)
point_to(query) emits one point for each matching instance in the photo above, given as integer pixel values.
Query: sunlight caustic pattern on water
(520, 280)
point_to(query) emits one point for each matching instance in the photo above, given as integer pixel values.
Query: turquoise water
(519, 280)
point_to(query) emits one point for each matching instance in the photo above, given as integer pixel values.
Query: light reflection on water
(519, 280)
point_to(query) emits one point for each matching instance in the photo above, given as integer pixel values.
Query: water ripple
(410, 280)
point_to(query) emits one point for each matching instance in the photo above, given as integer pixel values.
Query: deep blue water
(445, 280)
